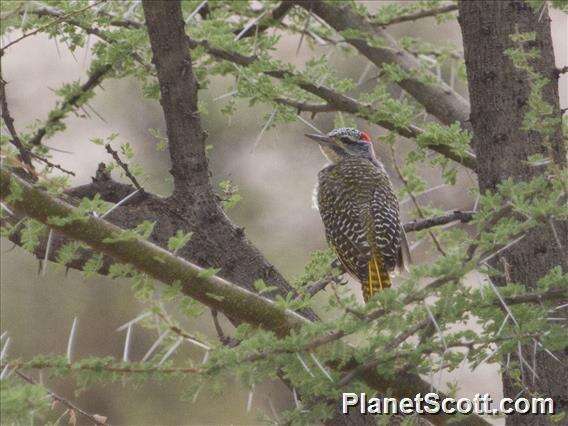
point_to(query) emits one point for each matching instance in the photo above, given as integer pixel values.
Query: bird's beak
(318, 138)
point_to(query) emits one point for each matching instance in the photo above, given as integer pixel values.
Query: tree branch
(94, 418)
(214, 292)
(178, 88)
(335, 101)
(25, 154)
(123, 166)
(338, 101)
(438, 99)
(277, 14)
(418, 15)
(454, 216)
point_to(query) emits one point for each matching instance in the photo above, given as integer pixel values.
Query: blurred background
(276, 180)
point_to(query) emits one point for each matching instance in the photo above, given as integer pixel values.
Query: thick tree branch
(438, 99)
(214, 292)
(178, 88)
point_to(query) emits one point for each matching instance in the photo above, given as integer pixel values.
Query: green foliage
(179, 240)
(21, 403)
(230, 196)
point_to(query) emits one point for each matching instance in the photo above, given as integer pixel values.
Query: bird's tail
(378, 278)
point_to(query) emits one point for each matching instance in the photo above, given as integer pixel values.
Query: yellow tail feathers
(378, 278)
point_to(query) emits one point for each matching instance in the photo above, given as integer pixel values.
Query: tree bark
(498, 93)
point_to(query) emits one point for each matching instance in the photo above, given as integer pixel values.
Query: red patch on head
(365, 137)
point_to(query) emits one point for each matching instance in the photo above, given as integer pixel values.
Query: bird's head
(344, 142)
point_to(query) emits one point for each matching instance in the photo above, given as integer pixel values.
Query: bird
(360, 210)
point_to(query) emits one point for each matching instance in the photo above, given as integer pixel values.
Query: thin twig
(25, 154)
(59, 113)
(453, 216)
(49, 24)
(123, 166)
(419, 15)
(50, 164)
(94, 418)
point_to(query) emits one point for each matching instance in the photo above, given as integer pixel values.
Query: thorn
(5, 207)
(296, 400)
(127, 342)
(321, 367)
(46, 257)
(266, 125)
(198, 343)
(249, 400)
(134, 321)
(196, 11)
(196, 394)
(4, 349)
(304, 364)
(249, 25)
(310, 125)
(124, 200)
(171, 350)
(155, 346)
(71, 341)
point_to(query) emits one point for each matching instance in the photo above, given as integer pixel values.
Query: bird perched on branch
(360, 210)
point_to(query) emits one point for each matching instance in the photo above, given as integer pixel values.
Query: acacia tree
(511, 137)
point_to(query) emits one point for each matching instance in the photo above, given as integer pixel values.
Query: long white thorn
(503, 302)
(502, 325)
(5, 207)
(491, 256)
(4, 350)
(196, 11)
(196, 394)
(565, 305)
(124, 200)
(266, 125)
(310, 125)
(71, 341)
(171, 350)
(524, 361)
(304, 364)
(47, 250)
(296, 399)
(133, 321)
(198, 343)
(249, 399)
(321, 367)
(249, 25)
(5, 371)
(155, 345)
(549, 353)
(226, 95)
(365, 72)
(433, 319)
(127, 343)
